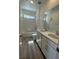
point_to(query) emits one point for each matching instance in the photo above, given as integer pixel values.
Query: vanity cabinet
(44, 45)
(48, 48)
(57, 55)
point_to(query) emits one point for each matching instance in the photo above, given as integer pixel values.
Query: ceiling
(26, 4)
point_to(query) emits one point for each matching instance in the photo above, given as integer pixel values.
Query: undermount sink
(43, 30)
(53, 36)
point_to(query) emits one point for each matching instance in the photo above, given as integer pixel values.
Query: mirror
(51, 20)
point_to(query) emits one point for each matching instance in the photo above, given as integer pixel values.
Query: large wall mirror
(51, 20)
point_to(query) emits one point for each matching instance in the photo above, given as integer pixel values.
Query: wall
(39, 16)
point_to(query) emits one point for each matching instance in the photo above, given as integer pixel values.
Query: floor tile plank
(29, 50)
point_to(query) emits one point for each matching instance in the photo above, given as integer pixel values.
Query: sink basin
(53, 36)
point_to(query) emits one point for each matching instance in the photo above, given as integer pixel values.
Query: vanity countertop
(54, 39)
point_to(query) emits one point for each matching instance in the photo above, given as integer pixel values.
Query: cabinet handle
(57, 49)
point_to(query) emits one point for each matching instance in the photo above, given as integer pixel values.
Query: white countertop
(45, 33)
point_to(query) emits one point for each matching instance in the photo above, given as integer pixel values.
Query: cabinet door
(51, 53)
(44, 45)
(57, 55)
(39, 39)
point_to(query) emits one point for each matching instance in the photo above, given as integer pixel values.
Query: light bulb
(31, 2)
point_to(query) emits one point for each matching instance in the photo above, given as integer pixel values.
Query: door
(44, 45)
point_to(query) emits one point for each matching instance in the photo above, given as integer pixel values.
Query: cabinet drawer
(53, 45)
(48, 41)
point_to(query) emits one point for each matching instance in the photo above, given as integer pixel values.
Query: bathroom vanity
(48, 43)
(48, 32)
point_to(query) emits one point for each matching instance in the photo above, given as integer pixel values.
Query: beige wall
(39, 18)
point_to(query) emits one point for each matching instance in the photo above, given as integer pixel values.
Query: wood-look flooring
(28, 49)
